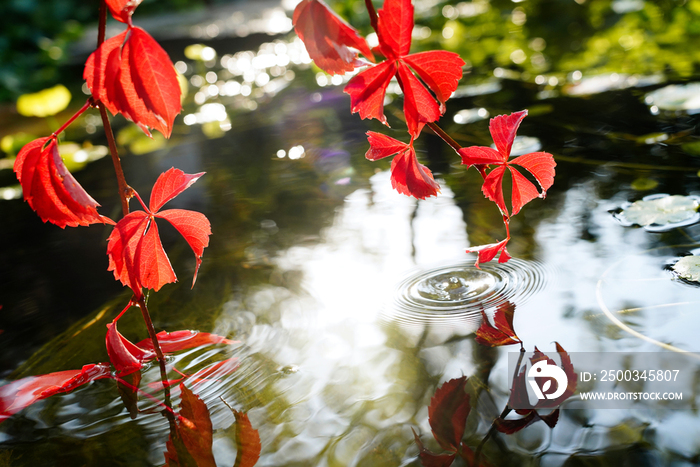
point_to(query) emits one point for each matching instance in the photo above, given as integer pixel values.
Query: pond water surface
(351, 303)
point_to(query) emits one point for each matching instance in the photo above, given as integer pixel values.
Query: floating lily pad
(675, 97)
(660, 212)
(688, 268)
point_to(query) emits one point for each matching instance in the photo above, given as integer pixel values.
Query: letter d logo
(542, 369)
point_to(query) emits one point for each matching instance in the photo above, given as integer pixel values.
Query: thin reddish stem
(87, 105)
(129, 305)
(445, 137)
(372, 15)
(159, 352)
(124, 189)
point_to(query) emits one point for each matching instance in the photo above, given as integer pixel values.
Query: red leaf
(136, 254)
(19, 394)
(367, 90)
(430, 459)
(569, 370)
(478, 155)
(125, 356)
(493, 188)
(51, 190)
(121, 248)
(419, 106)
(154, 77)
(327, 37)
(170, 184)
(102, 68)
(411, 178)
(381, 146)
(395, 26)
(487, 252)
(193, 437)
(181, 340)
(501, 332)
(218, 369)
(131, 74)
(154, 269)
(448, 412)
(523, 191)
(550, 419)
(194, 227)
(122, 9)
(440, 70)
(247, 441)
(503, 129)
(539, 164)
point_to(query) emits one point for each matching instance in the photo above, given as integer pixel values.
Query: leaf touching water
(19, 394)
(51, 190)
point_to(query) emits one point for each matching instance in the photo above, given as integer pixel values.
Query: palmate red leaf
(501, 332)
(440, 71)
(487, 252)
(131, 74)
(247, 441)
(448, 412)
(328, 38)
(51, 190)
(136, 254)
(539, 164)
(19, 394)
(122, 9)
(193, 437)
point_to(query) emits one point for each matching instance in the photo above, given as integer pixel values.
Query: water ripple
(456, 294)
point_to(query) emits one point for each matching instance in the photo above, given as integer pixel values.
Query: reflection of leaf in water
(660, 210)
(688, 267)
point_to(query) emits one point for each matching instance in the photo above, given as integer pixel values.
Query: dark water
(351, 302)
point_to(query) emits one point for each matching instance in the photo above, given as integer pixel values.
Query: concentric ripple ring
(456, 293)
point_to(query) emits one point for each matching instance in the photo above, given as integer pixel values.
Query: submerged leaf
(448, 412)
(501, 332)
(193, 436)
(247, 441)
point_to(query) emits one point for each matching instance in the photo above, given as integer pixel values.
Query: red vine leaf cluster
(136, 254)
